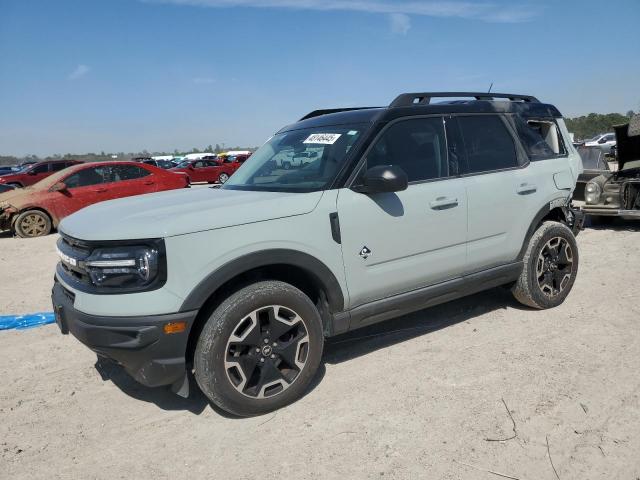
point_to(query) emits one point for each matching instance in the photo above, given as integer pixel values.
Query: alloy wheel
(223, 178)
(266, 351)
(554, 267)
(33, 225)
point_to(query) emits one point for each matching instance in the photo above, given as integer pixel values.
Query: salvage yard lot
(416, 397)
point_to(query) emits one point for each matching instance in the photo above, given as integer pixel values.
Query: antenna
(490, 87)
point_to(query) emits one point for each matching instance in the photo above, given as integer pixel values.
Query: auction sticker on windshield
(323, 138)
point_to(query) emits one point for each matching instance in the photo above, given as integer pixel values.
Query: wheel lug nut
(266, 340)
(273, 355)
(275, 344)
(262, 360)
(257, 350)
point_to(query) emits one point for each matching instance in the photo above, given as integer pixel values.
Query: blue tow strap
(22, 322)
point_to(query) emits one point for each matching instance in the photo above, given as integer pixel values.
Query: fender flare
(542, 213)
(322, 275)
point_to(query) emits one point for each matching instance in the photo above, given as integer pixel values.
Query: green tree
(593, 124)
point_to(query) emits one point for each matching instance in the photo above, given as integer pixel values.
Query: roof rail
(318, 113)
(424, 98)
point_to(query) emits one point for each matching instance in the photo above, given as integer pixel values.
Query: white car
(604, 142)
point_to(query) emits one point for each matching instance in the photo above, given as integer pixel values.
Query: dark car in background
(5, 169)
(36, 172)
(617, 194)
(35, 211)
(164, 164)
(6, 188)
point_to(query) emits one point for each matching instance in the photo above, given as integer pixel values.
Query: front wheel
(32, 223)
(223, 178)
(260, 349)
(550, 267)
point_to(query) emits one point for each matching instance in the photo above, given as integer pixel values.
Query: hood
(14, 197)
(183, 211)
(628, 142)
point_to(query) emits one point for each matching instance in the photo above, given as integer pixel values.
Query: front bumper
(610, 212)
(139, 344)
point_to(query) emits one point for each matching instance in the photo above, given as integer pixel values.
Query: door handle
(100, 190)
(526, 189)
(442, 203)
(149, 182)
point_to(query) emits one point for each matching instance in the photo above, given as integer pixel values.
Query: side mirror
(383, 179)
(58, 187)
(602, 140)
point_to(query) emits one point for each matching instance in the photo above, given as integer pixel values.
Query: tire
(245, 367)
(32, 223)
(16, 185)
(550, 267)
(223, 177)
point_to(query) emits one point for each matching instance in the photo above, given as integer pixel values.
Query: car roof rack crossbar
(318, 113)
(424, 98)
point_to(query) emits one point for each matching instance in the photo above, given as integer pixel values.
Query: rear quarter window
(541, 139)
(488, 144)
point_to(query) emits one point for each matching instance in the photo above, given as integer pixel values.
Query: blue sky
(125, 75)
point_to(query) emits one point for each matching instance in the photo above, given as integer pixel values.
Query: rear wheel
(32, 223)
(550, 267)
(223, 178)
(260, 349)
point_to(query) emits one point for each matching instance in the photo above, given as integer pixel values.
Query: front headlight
(123, 267)
(592, 192)
(113, 267)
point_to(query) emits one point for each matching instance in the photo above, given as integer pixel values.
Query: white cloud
(204, 80)
(79, 72)
(400, 23)
(489, 11)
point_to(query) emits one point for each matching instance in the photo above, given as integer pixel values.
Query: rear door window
(121, 173)
(56, 167)
(44, 168)
(488, 144)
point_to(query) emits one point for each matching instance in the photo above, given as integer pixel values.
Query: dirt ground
(416, 397)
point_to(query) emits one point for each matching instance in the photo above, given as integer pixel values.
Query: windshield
(298, 160)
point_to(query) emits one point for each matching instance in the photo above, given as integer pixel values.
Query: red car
(34, 211)
(210, 171)
(35, 172)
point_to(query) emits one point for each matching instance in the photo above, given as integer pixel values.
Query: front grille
(76, 245)
(78, 251)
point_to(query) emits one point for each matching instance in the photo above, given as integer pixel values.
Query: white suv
(398, 208)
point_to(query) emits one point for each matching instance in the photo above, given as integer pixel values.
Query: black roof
(411, 104)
